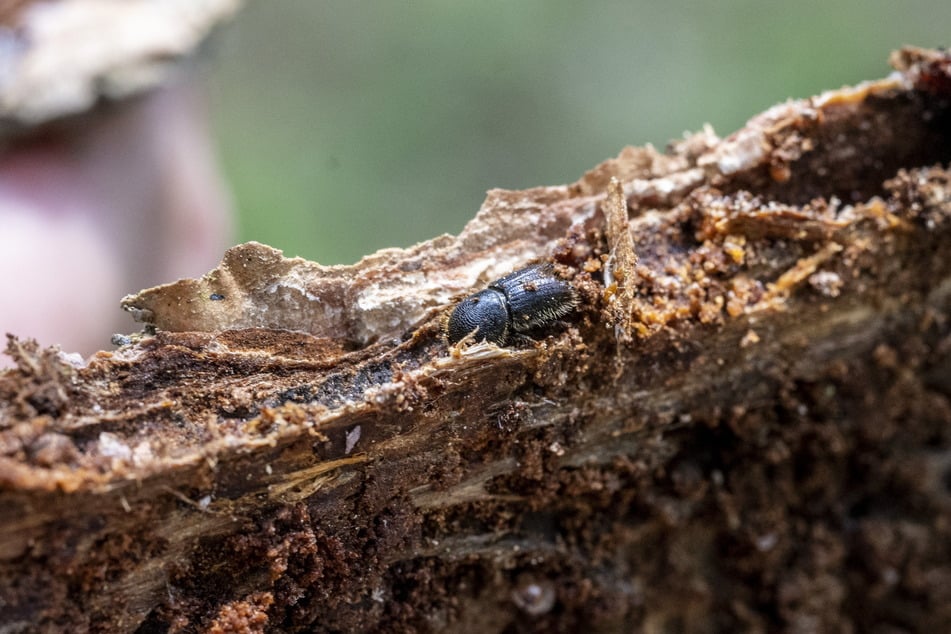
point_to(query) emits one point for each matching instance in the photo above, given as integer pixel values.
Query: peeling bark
(747, 425)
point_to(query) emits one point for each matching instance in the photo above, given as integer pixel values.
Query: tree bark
(745, 426)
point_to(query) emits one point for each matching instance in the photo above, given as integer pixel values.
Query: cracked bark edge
(769, 450)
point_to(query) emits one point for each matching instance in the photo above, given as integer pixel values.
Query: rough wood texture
(747, 426)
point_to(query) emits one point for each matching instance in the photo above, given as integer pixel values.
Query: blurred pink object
(102, 206)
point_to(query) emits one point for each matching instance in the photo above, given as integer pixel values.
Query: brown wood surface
(745, 427)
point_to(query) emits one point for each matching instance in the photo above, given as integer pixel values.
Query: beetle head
(486, 312)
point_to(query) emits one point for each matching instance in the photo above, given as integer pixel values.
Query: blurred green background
(348, 126)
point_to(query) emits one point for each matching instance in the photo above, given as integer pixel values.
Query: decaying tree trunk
(745, 426)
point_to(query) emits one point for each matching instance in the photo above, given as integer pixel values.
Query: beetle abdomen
(535, 296)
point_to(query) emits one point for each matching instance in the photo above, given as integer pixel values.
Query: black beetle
(518, 302)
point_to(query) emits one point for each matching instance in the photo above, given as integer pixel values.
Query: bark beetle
(758, 439)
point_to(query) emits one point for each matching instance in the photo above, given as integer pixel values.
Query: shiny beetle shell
(520, 301)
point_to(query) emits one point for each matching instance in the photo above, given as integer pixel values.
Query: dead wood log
(747, 425)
